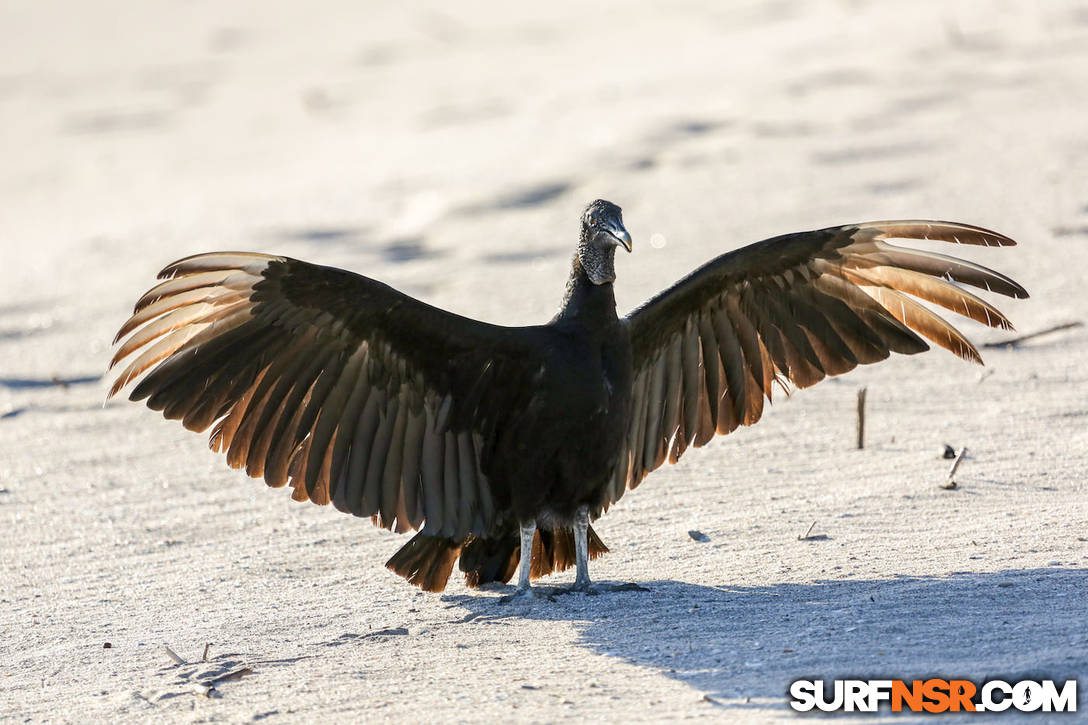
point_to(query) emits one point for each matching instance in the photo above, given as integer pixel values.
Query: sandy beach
(449, 152)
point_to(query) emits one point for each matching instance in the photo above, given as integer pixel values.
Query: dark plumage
(500, 444)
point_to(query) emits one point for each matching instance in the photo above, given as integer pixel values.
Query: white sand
(408, 145)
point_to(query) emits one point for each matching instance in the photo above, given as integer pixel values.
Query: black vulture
(500, 445)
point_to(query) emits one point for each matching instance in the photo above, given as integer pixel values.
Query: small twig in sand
(1014, 341)
(206, 688)
(204, 657)
(861, 418)
(174, 655)
(809, 536)
(951, 482)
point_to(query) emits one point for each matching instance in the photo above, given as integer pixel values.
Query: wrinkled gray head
(602, 232)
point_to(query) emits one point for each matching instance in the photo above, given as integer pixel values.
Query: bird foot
(593, 588)
(527, 595)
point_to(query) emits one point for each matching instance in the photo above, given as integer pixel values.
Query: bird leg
(581, 550)
(525, 590)
(528, 531)
(582, 582)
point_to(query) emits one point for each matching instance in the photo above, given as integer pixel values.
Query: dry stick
(204, 657)
(174, 655)
(950, 484)
(207, 688)
(810, 528)
(861, 418)
(1013, 341)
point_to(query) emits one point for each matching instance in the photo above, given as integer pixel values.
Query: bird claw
(628, 587)
(593, 589)
(525, 596)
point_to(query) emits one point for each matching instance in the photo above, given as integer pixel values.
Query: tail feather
(489, 560)
(553, 550)
(426, 561)
(496, 560)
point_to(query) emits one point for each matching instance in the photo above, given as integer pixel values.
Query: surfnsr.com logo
(933, 695)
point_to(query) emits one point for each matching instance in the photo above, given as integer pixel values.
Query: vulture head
(602, 232)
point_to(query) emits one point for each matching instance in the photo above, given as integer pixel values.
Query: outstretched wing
(350, 391)
(797, 307)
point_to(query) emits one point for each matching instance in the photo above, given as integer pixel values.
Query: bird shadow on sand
(742, 646)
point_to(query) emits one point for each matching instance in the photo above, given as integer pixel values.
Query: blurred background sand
(449, 151)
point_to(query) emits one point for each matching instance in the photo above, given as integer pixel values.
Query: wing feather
(432, 473)
(673, 401)
(355, 394)
(375, 498)
(695, 404)
(732, 405)
(325, 427)
(451, 483)
(713, 373)
(411, 470)
(655, 404)
(794, 309)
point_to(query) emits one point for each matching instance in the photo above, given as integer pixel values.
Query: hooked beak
(621, 236)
